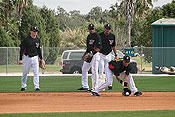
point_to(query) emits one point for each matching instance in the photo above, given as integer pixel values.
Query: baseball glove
(42, 64)
(126, 92)
(88, 57)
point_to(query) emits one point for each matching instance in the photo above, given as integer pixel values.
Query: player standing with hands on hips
(30, 47)
(108, 45)
(119, 68)
(91, 59)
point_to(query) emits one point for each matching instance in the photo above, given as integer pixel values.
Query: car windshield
(76, 55)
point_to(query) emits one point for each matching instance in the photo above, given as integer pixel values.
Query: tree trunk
(128, 16)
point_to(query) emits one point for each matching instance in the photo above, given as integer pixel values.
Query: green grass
(72, 83)
(19, 69)
(154, 113)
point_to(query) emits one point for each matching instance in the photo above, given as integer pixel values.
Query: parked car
(71, 61)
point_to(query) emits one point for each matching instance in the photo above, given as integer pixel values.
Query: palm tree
(130, 6)
(19, 6)
(7, 7)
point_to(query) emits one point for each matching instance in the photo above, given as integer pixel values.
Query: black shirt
(30, 47)
(117, 67)
(108, 41)
(93, 42)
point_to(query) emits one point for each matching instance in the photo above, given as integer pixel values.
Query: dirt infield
(84, 102)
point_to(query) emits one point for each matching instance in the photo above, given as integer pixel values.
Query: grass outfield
(154, 113)
(72, 83)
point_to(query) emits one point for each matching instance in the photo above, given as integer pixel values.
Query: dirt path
(83, 102)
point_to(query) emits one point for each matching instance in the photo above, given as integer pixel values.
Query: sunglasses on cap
(91, 28)
(108, 28)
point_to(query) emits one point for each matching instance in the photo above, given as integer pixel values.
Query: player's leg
(26, 67)
(109, 76)
(107, 60)
(35, 68)
(102, 77)
(84, 79)
(94, 68)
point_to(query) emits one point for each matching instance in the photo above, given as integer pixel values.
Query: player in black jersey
(108, 45)
(119, 68)
(30, 47)
(93, 43)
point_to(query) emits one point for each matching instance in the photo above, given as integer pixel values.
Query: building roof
(164, 21)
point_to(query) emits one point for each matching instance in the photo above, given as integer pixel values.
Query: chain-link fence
(145, 57)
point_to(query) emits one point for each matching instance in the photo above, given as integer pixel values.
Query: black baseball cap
(91, 26)
(107, 26)
(126, 58)
(34, 29)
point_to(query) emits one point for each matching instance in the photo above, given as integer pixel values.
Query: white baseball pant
(104, 59)
(94, 68)
(109, 76)
(27, 63)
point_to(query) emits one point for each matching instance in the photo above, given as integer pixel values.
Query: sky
(84, 6)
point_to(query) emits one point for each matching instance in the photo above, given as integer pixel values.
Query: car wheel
(76, 70)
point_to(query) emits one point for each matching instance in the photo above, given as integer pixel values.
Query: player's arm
(114, 48)
(39, 51)
(123, 83)
(98, 44)
(22, 49)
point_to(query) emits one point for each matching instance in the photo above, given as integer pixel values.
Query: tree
(130, 7)
(95, 14)
(169, 10)
(5, 40)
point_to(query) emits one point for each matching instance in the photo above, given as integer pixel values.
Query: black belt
(31, 56)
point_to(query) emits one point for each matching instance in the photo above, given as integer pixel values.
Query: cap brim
(126, 61)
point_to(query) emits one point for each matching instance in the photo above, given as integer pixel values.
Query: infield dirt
(84, 102)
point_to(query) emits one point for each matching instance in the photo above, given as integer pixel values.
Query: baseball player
(119, 68)
(91, 59)
(108, 44)
(30, 47)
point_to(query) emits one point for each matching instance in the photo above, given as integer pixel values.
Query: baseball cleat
(137, 93)
(109, 87)
(23, 89)
(37, 89)
(89, 90)
(82, 89)
(95, 94)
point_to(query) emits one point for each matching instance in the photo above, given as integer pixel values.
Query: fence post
(42, 52)
(141, 57)
(7, 62)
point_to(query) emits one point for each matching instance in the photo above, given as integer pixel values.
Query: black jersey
(30, 47)
(117, 67)
(108, 41)
(93, 42)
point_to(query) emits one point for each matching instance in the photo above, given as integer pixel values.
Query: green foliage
(5, 40)
(52, 24)
(169, 9)
(16, 17)
(72, 20)
(73, 38)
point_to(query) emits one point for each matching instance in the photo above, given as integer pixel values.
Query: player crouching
(119, 68)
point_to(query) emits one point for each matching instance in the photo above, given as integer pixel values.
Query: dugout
(163, 35)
